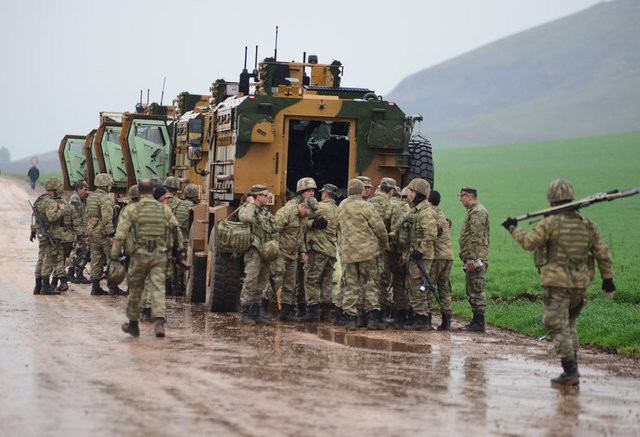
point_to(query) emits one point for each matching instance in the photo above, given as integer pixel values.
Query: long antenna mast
(162, 95)
(275, 53)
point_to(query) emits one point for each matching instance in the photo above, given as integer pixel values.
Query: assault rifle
(582, 203)
(43, 227)
(427, 282)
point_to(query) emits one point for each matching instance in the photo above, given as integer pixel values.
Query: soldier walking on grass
(565, 246)
(474, 253)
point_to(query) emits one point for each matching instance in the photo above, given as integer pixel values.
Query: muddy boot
(350, 322)
(302, 310)
(477, 324)
(38, 288)
(287, 314)
(131, 327)
(80, 278)
(446, 322)
(374, 322)
(96, 290)
(386, 314)
(362, 319)
(63, 285)
(311, 315)
(338, 319)
(246, 316)
(47, 288)
(400, 319)
(158, 327)
(570, 376)
(257, 317)
(70, 275)
(264, 309)
(325, 311)
(117, 291)
(145, 315)
(420, 323)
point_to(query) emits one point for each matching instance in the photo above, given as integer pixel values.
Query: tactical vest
(407, 231)
(92, 209)
(571, 248)
(151, 222)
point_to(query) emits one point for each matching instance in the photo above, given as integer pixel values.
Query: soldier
(79, 200)
(399, 211)
(151, 224)
(442, 263)
(68, 231)
(404, 195)
(474, 253)
(361, 234)
(565, 246)
(418, 234)
(100, 213)
(380, 201)
(256, 268)
(366, 180)
(51, 213)
(180, 209)
(321, 246)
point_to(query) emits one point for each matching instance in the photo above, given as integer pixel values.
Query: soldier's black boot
(131, 327)
(71, 275)
(257, 317)
(287, 314)
(54, 281)
(350, 322)
(446, 322)
(387, 314)
(338, 319)
(246, 316)
(311, 315)
(158, 327)
(38, 288)
(374, 322)
(302, 310)
(325, 311)
(96, 290)
(80, 278)
(264, 309)
(400, 318)
(570, 376)
(47, 288)
(477, 324)
(145, 315)
(362, 319)
(117, 291)
(420, 323)
(63, 284)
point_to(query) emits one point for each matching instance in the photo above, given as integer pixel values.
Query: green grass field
(512, 180)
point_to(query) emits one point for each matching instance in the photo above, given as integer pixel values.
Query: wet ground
(67, 369)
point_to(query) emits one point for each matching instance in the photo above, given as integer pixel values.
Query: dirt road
(67, 369)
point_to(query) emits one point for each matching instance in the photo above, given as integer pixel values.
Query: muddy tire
(420, 160)
(227, 282)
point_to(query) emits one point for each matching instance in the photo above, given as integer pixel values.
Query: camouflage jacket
(79, 204)
(52, 216)
(474, 234)
(70, 225)
(443, 248)
(180, 209)
(291, 230)
(398, 211)
(361, 232)
(565, 246)
(99, 214)
(382, 206)
(424, 230)
(324, 240)
(261, 220)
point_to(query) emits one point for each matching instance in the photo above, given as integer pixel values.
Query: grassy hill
(574, 77)
(512, 180)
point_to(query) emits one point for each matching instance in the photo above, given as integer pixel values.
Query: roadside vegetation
(512, 180)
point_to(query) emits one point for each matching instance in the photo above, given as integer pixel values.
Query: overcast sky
(64, 61)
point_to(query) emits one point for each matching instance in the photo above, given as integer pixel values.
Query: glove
(319, 223)
(32, 236)
(510, 224)
(608, 285)
(416, 254)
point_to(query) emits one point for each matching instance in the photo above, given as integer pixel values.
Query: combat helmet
(560, 190)
(420, 185)
(133, 193)
(52, 184)
(116, 272)
(172, 182)
(102, 180)
(305, 184)
(192, 192)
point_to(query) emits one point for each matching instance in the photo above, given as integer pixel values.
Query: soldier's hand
(510, 224)
(416, 254)
(319, 223)
(470, 265)
(303, 257)
(32, 236)
(608, 287)
(61, 205)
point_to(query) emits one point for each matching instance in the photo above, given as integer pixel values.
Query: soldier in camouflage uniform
(78, 200)
(418, 233)
(322, 238)
(474, 253)
(361, 234)
(565, 246)
(69, 230)
(147, 226)
(399, 211)
(380, 202)
(366, 181)
(51, 213)
(442, 263)
(256, 268)
(180, 208)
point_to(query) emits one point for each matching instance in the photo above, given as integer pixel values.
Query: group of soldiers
(144, 241)
(394, 248)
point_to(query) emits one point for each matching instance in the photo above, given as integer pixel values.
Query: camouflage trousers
(256, 276)
(561, 308)
(53, 260)
(42, 250)
(383, 279)
(285, 277)
(476, 289)
(146, 268)
(318, 278)
(359, 287)
(100, 248)
(398, 282)
(419, 299)
(440, 273)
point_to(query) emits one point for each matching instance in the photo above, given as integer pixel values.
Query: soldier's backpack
(234, 236)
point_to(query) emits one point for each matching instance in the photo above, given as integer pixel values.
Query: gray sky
(64, 61)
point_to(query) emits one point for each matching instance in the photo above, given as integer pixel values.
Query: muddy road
(67, 369)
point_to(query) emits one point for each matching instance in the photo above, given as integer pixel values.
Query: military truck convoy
(283, 121)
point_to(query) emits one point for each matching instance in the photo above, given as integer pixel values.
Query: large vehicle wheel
(420, 160)
(227, 282)
(196, 280)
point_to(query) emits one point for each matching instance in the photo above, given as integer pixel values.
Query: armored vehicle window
(150, 133)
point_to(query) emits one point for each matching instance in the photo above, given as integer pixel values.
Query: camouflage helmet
(172, 182)
(102, 180)
(270, 250)
(116, 272)
(52, 184)
(366, 180)
(421, 186)
(305, 184)
(560, 190)
(133, 192)
(192, 191)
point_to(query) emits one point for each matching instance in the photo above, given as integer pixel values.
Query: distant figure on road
(33, 174)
